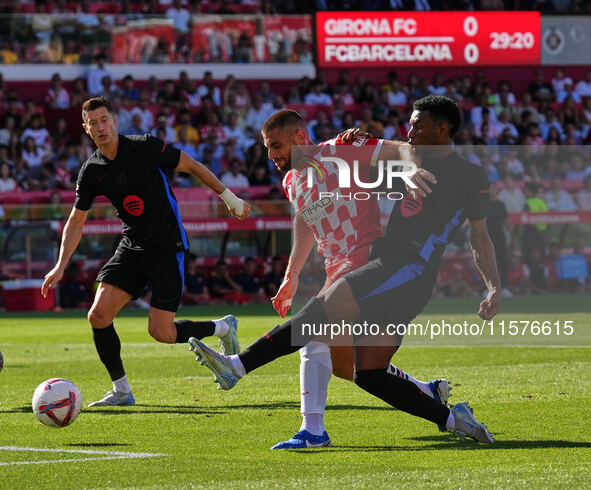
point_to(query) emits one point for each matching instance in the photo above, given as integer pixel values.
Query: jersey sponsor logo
(134, 205)
(410, 206)
(316, 211)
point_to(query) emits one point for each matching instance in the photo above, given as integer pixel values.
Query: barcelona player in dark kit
(396, 285)
(132, 172)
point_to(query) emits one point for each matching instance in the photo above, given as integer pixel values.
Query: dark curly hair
(441, 108)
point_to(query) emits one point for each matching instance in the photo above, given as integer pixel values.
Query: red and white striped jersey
(341, 226)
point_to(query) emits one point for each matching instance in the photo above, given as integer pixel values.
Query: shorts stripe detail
(175, 209)
(180, 258)
(442, 239)
(409, 272)
(402, 276)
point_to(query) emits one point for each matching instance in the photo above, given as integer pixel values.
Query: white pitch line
(107, 455)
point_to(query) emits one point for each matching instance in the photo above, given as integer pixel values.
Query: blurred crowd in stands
(284, 7)
(219, 123)
(67, 32)
(252, 282)
(531, 143)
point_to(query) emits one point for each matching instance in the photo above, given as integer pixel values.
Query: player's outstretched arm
(238, 207)
(70, 240)
(484, 259)
(397, 151)
(303, 243)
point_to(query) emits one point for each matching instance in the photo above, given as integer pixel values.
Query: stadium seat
(572, 267)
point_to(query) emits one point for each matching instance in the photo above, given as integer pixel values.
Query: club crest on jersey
(411, 206)
(134, 205)
(322, 173)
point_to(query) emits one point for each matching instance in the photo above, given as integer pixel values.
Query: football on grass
(57, 402)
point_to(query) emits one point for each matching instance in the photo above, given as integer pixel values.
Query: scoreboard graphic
(375, 39)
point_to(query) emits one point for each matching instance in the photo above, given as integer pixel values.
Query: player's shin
(186, 329)
(108, 347)
(278, 342)
(315, 372)
(401, 394)
(423, 386)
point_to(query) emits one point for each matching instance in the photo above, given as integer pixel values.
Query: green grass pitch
(535, 399)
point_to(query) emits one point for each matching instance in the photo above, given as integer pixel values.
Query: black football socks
(277, 342)
(108, 347)
(186, 329)
(401, 394)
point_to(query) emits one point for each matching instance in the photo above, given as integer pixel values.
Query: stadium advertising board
(375, 39)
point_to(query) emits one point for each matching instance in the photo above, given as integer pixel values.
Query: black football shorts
(392, 289)
(133, 270)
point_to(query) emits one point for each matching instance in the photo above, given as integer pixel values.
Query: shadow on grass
(286, 405)
(449, 441)
(148, 409)
(99, 444)
(201, 410)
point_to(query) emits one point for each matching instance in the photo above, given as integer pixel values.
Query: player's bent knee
(366, 380)
(99, 318)
(343, 372)
(164, 335)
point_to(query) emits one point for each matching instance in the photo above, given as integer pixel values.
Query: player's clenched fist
(282, 300)
(237, 207)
